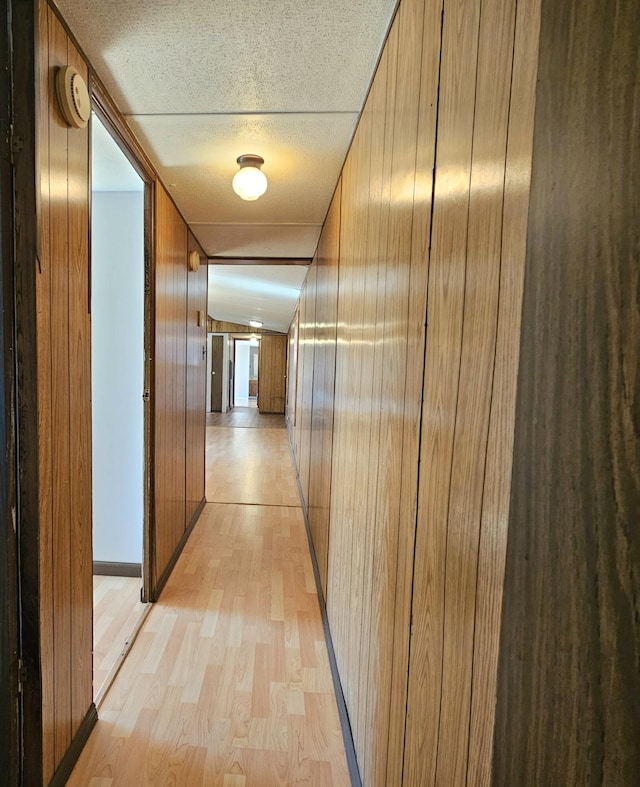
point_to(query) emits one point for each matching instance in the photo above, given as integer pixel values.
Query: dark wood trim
(69, 760)
(345, 724)
(9, 672)
(260, 260)
(148, 533)
(106, 109)
(162, 580)
(114, 569)
(25, 271)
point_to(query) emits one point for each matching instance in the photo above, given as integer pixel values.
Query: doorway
(245, 383)
(117, 384)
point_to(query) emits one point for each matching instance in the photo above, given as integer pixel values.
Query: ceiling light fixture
(255, 323)
(249, 182)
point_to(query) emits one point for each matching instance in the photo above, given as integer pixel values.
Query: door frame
(10, 673)
(108, 114)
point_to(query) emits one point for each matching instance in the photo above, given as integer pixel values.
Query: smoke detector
(73, 97)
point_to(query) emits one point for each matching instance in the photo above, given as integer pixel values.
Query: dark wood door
(272, 366)
(216, 373)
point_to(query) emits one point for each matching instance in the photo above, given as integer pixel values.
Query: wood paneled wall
(364, 335)
(60, 696)
(304, 388)
(421, 439)
(569, 679)
(170, 387)
(196, 409)
(272, 370)
(477, 257)
(64, 403)
(324, 376)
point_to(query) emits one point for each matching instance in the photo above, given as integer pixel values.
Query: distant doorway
(245, 382)
(241, 373)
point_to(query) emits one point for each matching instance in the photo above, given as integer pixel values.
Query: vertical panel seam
(433, 191)
(455, 421)
(504, 178)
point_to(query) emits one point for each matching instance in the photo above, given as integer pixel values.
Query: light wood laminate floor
(117, 610)
(248, 417)
(250, 466)
(228, 682)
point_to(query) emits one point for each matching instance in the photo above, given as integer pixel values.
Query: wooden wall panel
(568, 708)
(62, 326)
(170, 381)
(467, 262)
(292, 373)
(272, 370)
(196, 382)
(45, 97)
(306, 352)
(326, 281)
(495, 508)
(64, 404)
(80, 421)
(421, 438)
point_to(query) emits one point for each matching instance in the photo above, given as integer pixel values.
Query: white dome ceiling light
(249, 182)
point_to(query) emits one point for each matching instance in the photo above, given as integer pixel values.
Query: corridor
(228, 682)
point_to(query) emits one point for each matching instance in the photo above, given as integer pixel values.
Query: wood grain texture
(170, 381)
(60, 296)
(116, 611)
(306, 352)
(220, 326)
(441, 383)
(44, 372)
(569, 673)
(292, 371)
(249, 465)
(248, 417)
(475, 387)
(420, 242)
(495, 507)
(326, 263)
(81, 561)
(196, 373)
(272, 368)
(64, 396)
(228, 682)
(439, 423)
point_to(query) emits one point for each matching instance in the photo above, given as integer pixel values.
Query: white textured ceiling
(269, 293)
(203, 81)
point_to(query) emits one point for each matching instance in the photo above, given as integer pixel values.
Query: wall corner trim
(69, 760)
(162, 580)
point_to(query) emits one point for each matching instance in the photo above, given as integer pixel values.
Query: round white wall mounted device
(73, 97)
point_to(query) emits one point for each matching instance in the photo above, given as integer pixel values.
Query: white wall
(117, 366)
(241, 374)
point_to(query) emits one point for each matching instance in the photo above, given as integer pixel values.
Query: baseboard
(162, 580)
(61, 776)
(113, 569)
(345, 724)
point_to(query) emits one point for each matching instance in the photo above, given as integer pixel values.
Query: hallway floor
(228, 682)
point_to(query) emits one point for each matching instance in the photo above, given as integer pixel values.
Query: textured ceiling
(201, 82)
